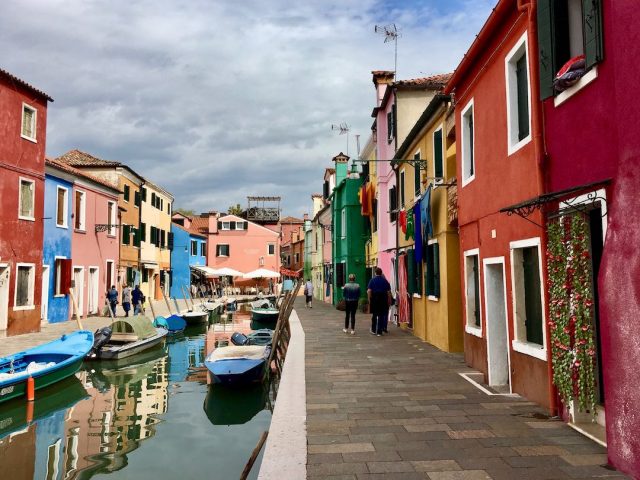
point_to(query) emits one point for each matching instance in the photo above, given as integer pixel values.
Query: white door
(44, 310)
(496, 318)
(4, 296)
(78, 279)
(92, 290)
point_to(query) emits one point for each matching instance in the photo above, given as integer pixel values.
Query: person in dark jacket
(137, 298)
(379, 294)
(112, 298)
(351, 295)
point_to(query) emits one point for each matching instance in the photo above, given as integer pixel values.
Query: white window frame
(65, 223)
(222, 245)
(31, 218)
(464, 143)
(35, 123)
(519, 329)
(268, 248)
(111, 232)
(191, 244)
(56, 276)
(433, 298)
(83, 210)
(511, 82)
(469, 323)
(402, 190)
(417, 155)
(437, 181)
(31, 287)
(343, 218)
(226, 226)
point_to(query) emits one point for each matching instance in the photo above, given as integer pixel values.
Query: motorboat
(125, 337)
(238, 365)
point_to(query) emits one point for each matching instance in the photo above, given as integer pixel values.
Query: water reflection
(97, 422)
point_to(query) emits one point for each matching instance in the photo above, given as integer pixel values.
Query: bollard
(31, 389)
(30, 412)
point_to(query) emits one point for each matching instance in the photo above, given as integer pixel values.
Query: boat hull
(236, 371)
(268, 316)
(195, 317)
(116, 352)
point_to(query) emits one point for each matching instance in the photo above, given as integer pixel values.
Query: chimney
(341, 160)
(213, 222)
(381, 79)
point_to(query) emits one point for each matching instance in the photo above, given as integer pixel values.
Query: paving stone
(540, 450)
(461, 475)
(324, 458)
(470, 434)
(436, 465)
(341, 448)
(588, 459)
(326, 439)
(336, 468)
(377, 456)
(392, 476)
(390, 467)
(536, 461)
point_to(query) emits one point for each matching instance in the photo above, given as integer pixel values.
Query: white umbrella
(227, 272)
(261, 273)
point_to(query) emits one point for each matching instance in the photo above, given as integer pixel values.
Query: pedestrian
(379, 294)
(112, 298)
(137, 298)
(351, 295)
(308, 293)
(126, 299)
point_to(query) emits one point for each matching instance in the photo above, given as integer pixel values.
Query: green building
(350, 229)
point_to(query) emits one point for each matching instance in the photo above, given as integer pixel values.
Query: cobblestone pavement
(395, 407)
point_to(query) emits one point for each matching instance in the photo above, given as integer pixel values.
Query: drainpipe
(529, 7)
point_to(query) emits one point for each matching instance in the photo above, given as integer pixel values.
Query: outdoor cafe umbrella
(261, 273)
(227, 272)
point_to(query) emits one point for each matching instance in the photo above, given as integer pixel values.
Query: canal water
(152, 416)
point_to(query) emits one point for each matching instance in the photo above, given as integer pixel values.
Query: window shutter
(136, 199)
(523, 100)
(126, 192)
(136, 236)
(416, 175)
(411, 273)
(476, 291)
(394, 120)
(232, 225)
(545, 47)
(437, 153)
(143, 232)
(436, 270)
(592, 31)
(532, 295)
(65, 276)
(163, 238)
(152, 235)
(144, 194)
(389, 126)
(170, 241)
(219, 225)
(126, 230)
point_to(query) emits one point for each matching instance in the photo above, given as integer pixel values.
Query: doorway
(92, 291)
(496, 319)
(4, 297)
(44, 309)
(78, 277)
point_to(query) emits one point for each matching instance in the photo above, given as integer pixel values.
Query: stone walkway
(395, 407)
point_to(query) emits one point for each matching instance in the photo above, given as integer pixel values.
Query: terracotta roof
(189, 230)
(291, 220)
(434, 81)
(24, 84)
(79, 173)
(199, 225)
(76, 158)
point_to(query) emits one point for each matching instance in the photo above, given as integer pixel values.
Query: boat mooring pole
(75, 306)
(166, 301)
(254, 455)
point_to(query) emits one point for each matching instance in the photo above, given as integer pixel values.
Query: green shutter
(437, 153)
(592, 31)
(416, 176)
(126, 192)
(436, 270)
(411, 272)
(522, 91)
(144, 194)
(532, 295)
(126, 233)
(143, 232)
(545, 48)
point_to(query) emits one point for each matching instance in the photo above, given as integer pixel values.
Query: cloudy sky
(219, 99)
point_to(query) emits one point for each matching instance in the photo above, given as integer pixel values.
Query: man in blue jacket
(351, 295)
(379, 293)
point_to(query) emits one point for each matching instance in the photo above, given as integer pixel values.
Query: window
(518, 98)
(153, 199)
(414, 274)
(62, 276)
(432, 271)
(296, 258)
(143, 232)
(222, 250)
(438, 154)
(416, 175)
(143, 194)
(136, 199)
(27, 199)
(29, 115)
(468, 160)
(80, 210)
(393, 204)
(472, 292)
(194, 248)
(25, 280)
(391, 124)
(343, 224)
(526, 278)
(126, 234)
(153, 234)
(137, 236)
(401, 186)
(271, 249)
(565, 30)
(226, 225)
(203, 249)
(126, 193)
(111, 218)
(61, 207)
(169, 208)
(340, 275)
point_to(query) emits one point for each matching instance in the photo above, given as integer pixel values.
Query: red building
(23, 127)
(498, 136)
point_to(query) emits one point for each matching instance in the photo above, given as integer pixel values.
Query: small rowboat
(47, 364)
(126, 336)
(265, 315)
(195, 316)
(238, 365)
(231, 305)
(173, 323)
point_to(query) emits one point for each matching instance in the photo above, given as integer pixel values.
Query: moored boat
(265, 315)
(195, 316)
(238, 365)
(48, 363)
(231, 305)
(126, 336)
(173, 323)
(263, 336)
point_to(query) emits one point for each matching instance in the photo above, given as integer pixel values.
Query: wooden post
(166, 301)
(193, 305)
(75, 307)
(106, 301)
(254, 456)
(186, 302)
(153, 312)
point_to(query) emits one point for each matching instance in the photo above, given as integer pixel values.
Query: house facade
(498, 132)
(22, 175)
(189, 249)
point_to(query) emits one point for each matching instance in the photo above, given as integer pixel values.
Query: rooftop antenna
(343, 129)
(391, 34)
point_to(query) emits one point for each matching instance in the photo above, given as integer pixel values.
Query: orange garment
(364, 200)
(371, 198)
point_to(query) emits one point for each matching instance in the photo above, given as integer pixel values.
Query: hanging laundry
(402, 221)
(362, 200)
(418, 233)
(410, 222)
(425, 215)
(371, 192)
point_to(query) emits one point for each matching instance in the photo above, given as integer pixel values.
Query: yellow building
(428, 173)
(370, 169)
(156, 240)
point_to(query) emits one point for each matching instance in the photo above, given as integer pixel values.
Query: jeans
(350, 312)
(127, 307)
(137, 308)
(379, 322)
(113, 307)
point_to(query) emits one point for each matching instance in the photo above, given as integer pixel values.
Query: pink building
(95, 240)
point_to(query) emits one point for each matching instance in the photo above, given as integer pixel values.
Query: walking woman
(351, 295)
(308, 293)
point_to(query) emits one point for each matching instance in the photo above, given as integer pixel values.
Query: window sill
(28, 219)
(31, 139)
(66, 227)
(467, 181)
(476, 331)
(111, 235)
(517, 146)
(80, 230)
(588, 77)
(531, 349)
(25, 307)
(433, 298)
(59, 295)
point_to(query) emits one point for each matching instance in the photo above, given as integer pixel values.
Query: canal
(151, 416)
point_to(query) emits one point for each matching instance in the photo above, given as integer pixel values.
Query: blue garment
(425, 215)
(418, 234)
(351, 292)
(112, 296)
(137, 296)
(380, 289)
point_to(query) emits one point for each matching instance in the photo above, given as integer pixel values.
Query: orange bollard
(31, 389)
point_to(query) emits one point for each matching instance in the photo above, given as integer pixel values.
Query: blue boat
(238, 365)
(172, 323)
(48, 363)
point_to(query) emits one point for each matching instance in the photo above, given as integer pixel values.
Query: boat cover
(138, 325)
(250, 352)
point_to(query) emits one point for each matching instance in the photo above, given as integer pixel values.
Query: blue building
(56, 253)
(189, 249)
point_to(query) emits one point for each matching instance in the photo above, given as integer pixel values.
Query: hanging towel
(418, 233)
(410, 228)
(402, 221)
(425, 215)
(371, 191)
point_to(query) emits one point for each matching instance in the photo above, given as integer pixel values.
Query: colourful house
(426, 171)
(23, 109)
(316, 242)
(499, 154)
(189, 250)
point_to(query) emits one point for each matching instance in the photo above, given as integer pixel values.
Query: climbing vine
(571, 310)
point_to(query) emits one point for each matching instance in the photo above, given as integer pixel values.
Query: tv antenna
(391, 34)
(343, 129)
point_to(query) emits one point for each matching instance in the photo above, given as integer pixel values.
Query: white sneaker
(344, 330)
(353, 332)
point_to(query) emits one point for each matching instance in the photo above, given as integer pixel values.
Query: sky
(216, 100)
